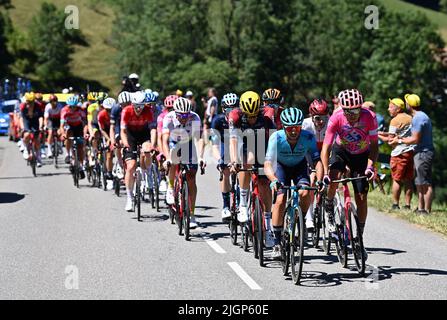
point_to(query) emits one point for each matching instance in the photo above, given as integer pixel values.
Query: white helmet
(148, 91)
(138, 98)
(134, 76)
(65, 91)
(189, 94)
(109, 103)
(124, 97)
(182, 105)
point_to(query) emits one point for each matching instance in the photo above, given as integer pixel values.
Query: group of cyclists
(252, 131)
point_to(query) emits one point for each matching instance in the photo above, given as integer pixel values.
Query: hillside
(95, 62)
(438, 18)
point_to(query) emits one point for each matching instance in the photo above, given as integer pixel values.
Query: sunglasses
(352, 112)
(183, 116)
(293, 129)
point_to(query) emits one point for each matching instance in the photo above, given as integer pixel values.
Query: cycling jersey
(30, 122)
(104, 121)
(92, 112)
(160, 119)
(280, 151)
(115, 118)
(356, 138)
(72, 116)
(53, 113)
(309, 125)
(238, 121)
(132, 122)
(220, 125)
(191, 128)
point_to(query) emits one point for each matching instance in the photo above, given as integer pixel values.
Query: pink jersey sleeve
(331, 132)
(374, 129)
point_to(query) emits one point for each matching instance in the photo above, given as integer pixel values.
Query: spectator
(422, 137)
(190, 96)
(131, 83)
(179, 93)
(402, 165)
(211, 108)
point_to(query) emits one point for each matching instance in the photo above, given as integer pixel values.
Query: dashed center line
(244, 276)
(214, 245)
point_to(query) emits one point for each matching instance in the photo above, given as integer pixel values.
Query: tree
(443, 5)
(52, 43)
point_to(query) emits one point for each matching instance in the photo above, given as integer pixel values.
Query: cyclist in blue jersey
(286, 162)
(220, 141)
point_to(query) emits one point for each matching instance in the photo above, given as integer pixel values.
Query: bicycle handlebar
(293, 188)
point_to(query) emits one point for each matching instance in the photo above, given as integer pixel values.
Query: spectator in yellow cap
(424, 151)
(402, 165)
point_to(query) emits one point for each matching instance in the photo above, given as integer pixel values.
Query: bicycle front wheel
(259, 231)
(297, 246)
(186, 211)
(138, 195)
(285, 246)
(357, 242)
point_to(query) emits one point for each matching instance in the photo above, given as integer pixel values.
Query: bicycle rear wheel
(178, 208)
(357, 242)
(285, 247)
(297, 246)
(340, 244)
(317, 226)
(245, 235)
(186, 211)
(76, 168)
(138, 195)
(259, 231)
(233, 230)
(33, 161)
(55, 152)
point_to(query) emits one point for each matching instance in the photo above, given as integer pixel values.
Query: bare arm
(325, 158)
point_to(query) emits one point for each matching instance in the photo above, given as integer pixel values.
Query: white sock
(268, 219)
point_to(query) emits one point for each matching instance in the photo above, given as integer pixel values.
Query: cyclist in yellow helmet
(256, 125)
(92, 119)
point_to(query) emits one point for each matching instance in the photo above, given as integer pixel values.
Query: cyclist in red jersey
(135, 130)
(273, 100)
(31, 122)
(72, 125)
(104, 128)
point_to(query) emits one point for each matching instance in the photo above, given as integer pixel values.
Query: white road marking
(214, 245)
(244, 276)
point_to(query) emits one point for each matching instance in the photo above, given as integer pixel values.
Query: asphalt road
(57, 242)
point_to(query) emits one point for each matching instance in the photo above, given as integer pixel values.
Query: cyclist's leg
(279, 206)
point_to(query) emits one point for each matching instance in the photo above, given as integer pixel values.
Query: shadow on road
(39, 175)
(6, 197)
(385, 251)
(153, 218)
(387, 272)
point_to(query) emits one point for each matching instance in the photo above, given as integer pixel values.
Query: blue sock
(277, 231)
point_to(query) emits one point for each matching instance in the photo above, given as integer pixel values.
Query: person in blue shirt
(422, 137)
(286, 161)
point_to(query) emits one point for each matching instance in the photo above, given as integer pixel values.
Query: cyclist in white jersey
(317, 124)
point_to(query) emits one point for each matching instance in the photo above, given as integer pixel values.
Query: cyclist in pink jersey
(355, 132)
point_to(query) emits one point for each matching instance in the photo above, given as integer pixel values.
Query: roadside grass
(94, 62)
(436, 221)
(438, 18)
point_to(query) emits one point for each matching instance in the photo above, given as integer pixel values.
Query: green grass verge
(437, 221)
(438, 18)
(95, 62)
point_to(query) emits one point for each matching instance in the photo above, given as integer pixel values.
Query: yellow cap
(30, 97)
(179, 93)
(398, 102)
(413, 100)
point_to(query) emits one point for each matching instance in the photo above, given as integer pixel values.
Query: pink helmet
(351, 99)
(169, 101)
(319, 108)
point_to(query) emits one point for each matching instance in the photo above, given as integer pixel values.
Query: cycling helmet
(413, 100)
(134, 76)
(319, 108)
(73, 101)
(29, 97)
(271, 95)
(169, 101)
(53, 98)
(124, 97)
(109, 103)
(138, 98)
(92, 96)
(150, 98)
(230, 100)
(250, 103)
(292, 117)
(351, 99)
(156, 94)
(102, 96)
(182, 105)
